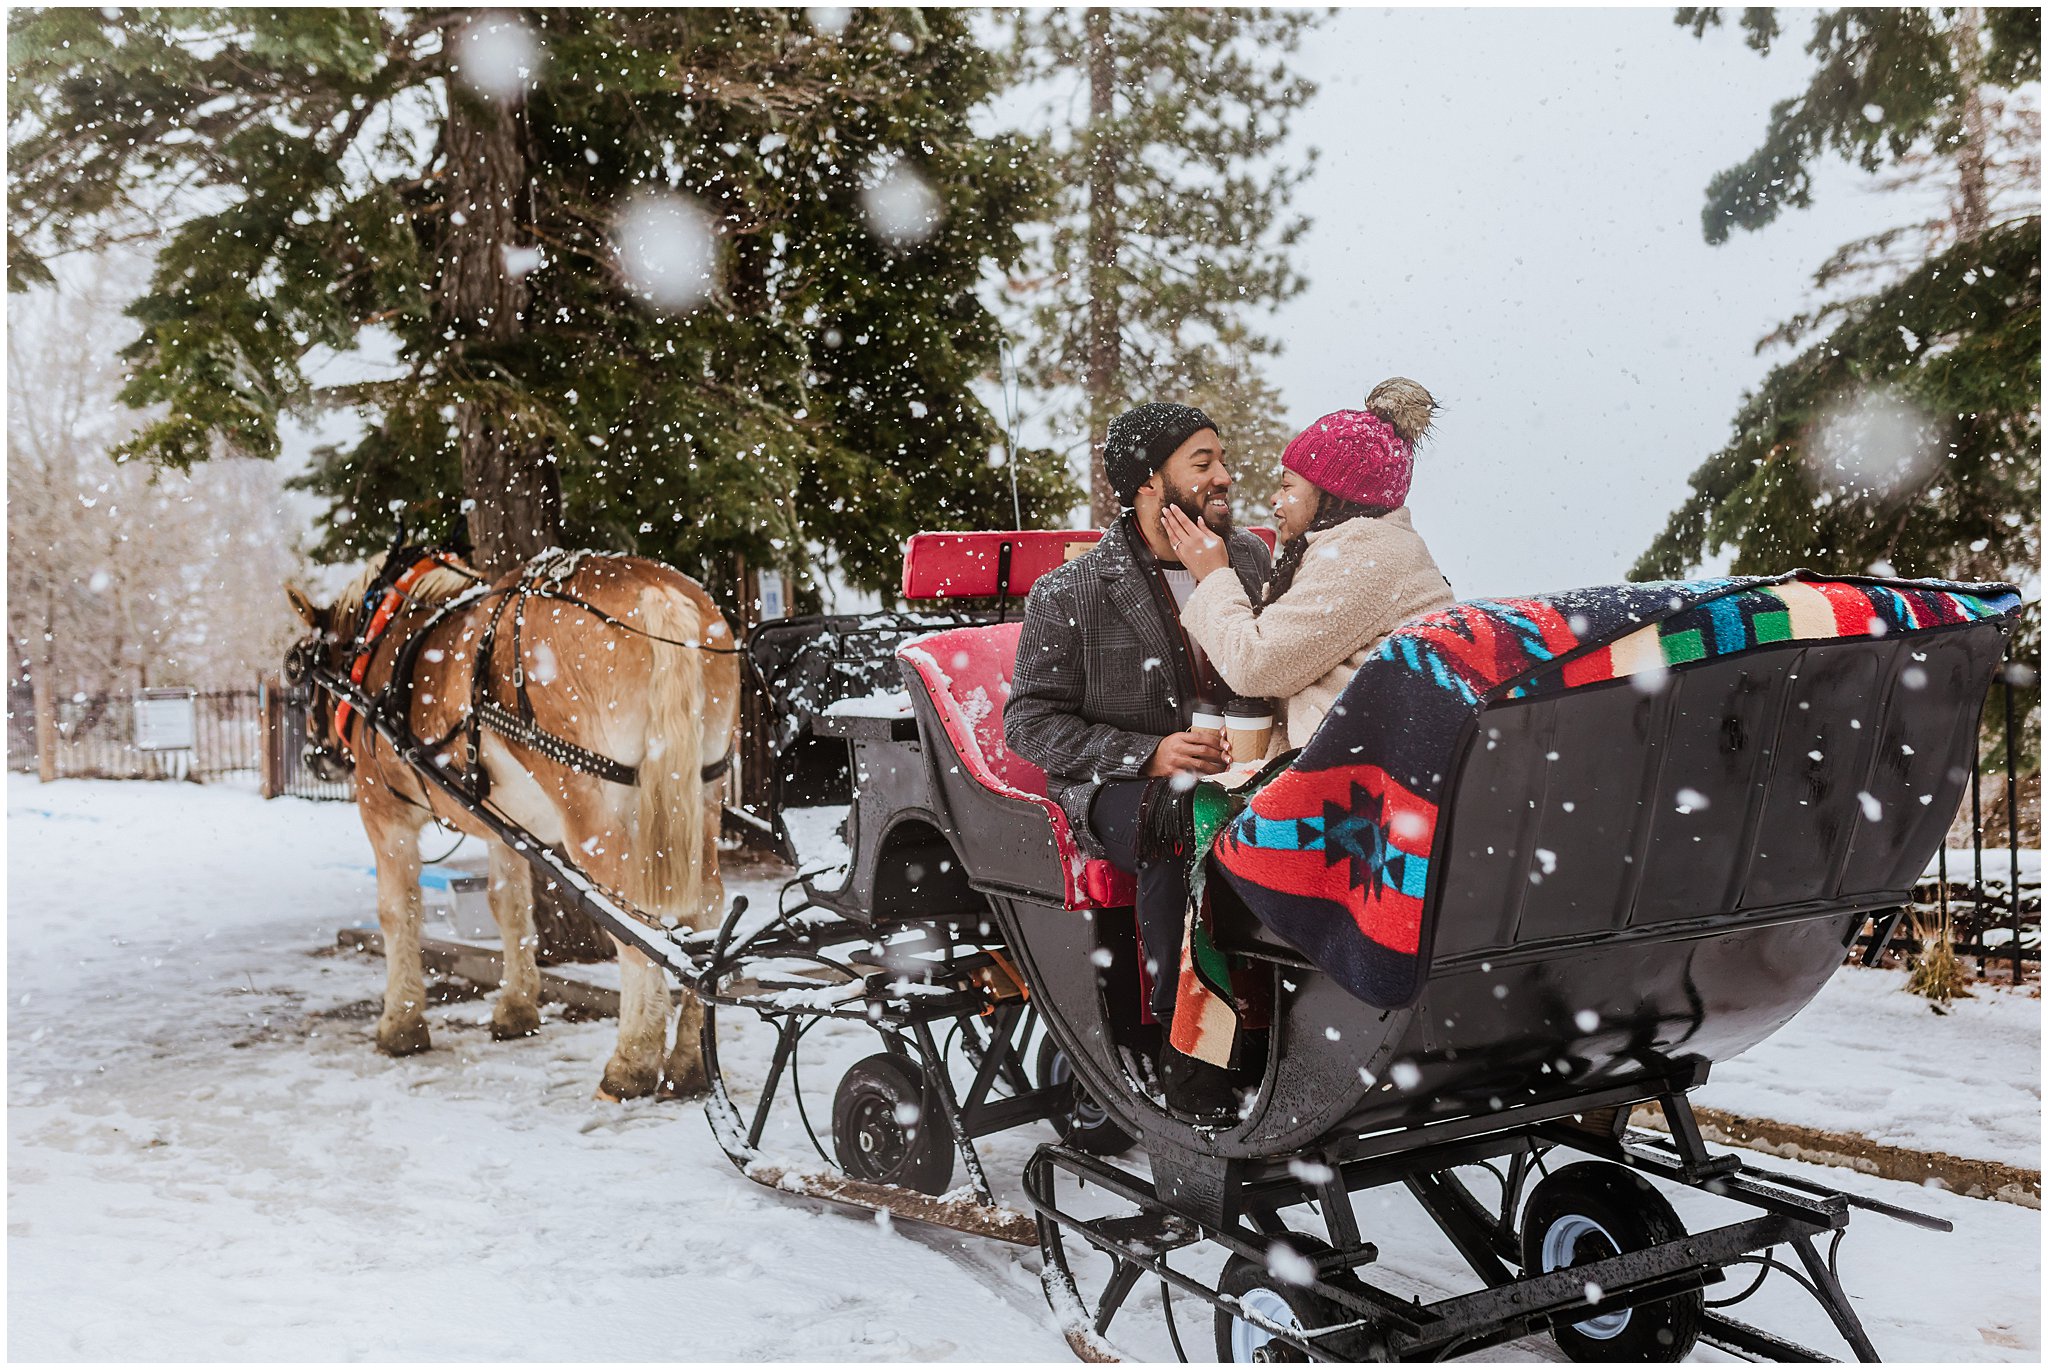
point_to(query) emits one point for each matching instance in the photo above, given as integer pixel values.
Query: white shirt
(1180, 582)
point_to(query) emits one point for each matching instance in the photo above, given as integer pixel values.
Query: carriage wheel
(1588, 1212)
(1087, 1127)
(888, 1126)
(1259, 1290)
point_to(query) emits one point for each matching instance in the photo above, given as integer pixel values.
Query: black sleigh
(1628, 881)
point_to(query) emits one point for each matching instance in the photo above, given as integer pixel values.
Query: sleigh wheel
(1087, 1125)
(888, 1127)
(1588, 1212)
(1258, 1290)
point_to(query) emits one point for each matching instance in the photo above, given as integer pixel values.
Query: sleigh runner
(1551, 861)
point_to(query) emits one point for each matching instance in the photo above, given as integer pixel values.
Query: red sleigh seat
(966, 672)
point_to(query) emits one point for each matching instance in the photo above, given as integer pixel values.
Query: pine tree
(1934, 326)
(459, 189)
(1172, 222)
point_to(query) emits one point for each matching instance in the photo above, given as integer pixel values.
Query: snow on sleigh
(1551, 859)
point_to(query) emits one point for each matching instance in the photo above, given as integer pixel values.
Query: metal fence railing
(257, 733)
(1988, 892)
(97, 737)
(285, 773)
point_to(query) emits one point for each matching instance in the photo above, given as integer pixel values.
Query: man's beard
(1192, 507)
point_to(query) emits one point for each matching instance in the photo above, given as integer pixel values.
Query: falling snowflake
(900, 207)
(498, 56)
(519, 261)
(1289, 1266)
(1876, 445)
(667, 250)
(1310, 1172)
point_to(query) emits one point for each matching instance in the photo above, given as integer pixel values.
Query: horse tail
(667, 861)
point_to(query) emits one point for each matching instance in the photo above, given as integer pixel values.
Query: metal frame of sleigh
(1617, 886)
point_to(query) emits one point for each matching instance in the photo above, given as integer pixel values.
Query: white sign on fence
(164, 720)
(774, 603)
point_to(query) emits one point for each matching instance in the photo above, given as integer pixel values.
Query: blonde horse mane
(434, 587)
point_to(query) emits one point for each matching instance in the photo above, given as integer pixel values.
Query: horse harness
(543, 578)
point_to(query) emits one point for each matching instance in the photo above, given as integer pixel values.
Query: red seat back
(966, 671)
(971, 565)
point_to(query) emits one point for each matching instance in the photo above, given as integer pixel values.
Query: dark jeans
(1162, 885)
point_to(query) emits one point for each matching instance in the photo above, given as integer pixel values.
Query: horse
(592, 700)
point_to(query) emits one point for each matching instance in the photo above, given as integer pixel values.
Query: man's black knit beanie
(1140, 442)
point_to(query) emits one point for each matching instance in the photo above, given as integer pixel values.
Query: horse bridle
(309, 655)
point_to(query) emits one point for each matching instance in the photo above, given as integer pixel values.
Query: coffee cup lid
(1248, 708)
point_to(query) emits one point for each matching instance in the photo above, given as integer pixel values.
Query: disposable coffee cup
(1205, 721)
(1250, 728)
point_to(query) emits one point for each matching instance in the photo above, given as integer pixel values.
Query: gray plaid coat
(1101, 676)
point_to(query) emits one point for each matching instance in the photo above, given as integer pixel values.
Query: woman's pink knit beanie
(1354, 455)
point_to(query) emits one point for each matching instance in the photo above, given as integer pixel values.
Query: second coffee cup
(1249, 725)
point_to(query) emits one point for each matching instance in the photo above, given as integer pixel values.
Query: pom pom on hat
(1405, 405)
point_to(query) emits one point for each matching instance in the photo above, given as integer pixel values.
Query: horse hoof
(513, 1021)
(403, 1039)
(692, 1085)
(622, 1082)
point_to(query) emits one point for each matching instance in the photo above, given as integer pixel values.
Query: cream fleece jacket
(1357, 582)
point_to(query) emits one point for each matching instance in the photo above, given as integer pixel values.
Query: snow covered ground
(1868, 1058)
(207, 1160)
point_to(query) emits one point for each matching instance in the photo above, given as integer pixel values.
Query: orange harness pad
(387, 607)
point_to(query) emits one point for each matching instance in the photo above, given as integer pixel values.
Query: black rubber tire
(1088, 1127)
(888, 1127)
(1242, 1278)
(1592, 1210)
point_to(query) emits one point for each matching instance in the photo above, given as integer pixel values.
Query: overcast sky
(1508, 210)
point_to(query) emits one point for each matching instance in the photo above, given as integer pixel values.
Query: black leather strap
(513, 728)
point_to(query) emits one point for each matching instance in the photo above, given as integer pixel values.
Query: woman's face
(1295, 506)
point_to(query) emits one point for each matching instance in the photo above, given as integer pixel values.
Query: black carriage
(1557, 999)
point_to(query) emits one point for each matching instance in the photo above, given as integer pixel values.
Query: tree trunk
(512, 497)
(511, 493)
(44, 664)
(1104, 341)
(1973, 157)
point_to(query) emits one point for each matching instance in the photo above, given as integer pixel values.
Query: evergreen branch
(1960, 337)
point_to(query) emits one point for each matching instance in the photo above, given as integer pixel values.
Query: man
(1106, 680)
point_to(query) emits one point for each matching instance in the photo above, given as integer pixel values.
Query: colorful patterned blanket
(1335, 854)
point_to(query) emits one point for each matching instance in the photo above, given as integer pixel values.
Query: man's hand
(1200, 753)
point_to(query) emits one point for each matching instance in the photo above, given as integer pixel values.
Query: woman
(1351, 567)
